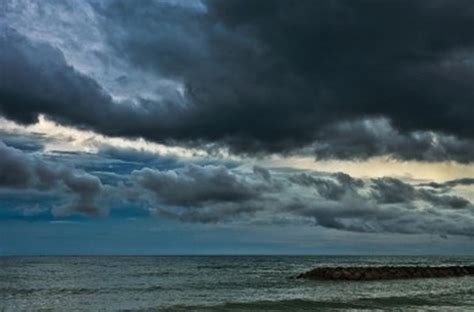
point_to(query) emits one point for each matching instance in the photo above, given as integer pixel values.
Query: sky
(162, 127)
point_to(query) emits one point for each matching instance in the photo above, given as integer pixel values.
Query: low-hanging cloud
(450, 184)
(196, 185)
(210, 194)
(206, 194)
(217, 194)
(22, 171)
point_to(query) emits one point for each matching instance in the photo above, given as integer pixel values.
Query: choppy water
(219, 283)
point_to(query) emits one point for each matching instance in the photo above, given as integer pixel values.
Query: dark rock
(385, 272)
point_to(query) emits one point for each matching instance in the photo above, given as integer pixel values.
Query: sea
(221, 283)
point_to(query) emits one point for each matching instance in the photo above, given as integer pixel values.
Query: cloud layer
(273, 77)
(20, 171)
(170, 108)
(218, 194)
(338, 201)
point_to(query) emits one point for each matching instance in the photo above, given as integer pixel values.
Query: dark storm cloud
(39, 80)
(20, 171)
(271, 76)
(398, 58)
(363, 139)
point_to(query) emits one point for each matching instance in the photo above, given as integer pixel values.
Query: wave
(14, 291)
(223, 267)
(381, 303)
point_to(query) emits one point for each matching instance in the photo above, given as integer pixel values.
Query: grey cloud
(388, 205)
(304, 72)
(26, 172)
(333, 187)
(87, 188)
(50, 86)
(217, 194)
(455, 202)
(205, 194)
(391, 190)
(365, 217)
(209, 194)
(196, 185)
(450, 184)
(367, 138)
(264, 173)
(343, 78)
(272, 77)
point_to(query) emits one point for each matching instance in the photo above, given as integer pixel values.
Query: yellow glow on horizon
(380, 167)
(71, 139)
(65, 138)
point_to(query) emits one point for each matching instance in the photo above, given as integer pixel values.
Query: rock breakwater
(386, 272)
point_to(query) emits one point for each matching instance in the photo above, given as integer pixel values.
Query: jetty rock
(386, 272)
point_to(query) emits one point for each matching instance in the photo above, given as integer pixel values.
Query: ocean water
(220, 283)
